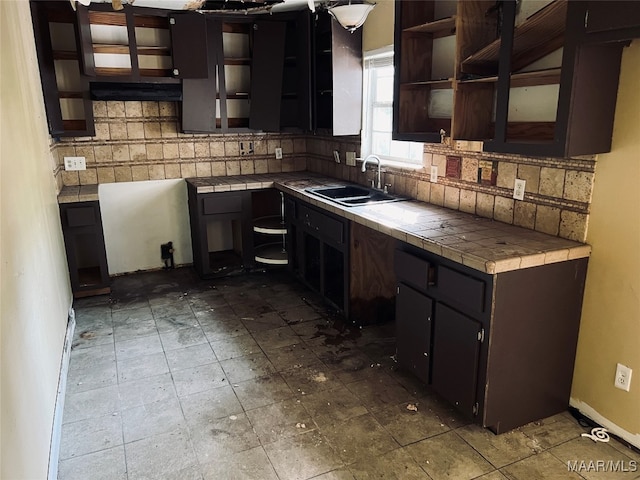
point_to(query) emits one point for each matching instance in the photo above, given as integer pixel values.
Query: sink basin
(353, 195)
(346, 191)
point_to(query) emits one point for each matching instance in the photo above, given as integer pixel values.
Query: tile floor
(249, 377)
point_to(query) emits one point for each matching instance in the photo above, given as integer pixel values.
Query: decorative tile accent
(469, 169)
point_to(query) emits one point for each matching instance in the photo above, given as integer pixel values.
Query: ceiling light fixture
(352, 15)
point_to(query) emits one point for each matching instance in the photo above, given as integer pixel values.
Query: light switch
(518, 189)
(75, 163)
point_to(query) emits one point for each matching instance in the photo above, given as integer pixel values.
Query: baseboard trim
(591, 413)
(56, 433)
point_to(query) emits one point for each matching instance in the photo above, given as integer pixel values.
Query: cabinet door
(456, 350)
(199, 94)
(337, 77)
(612, 15)
(267, 65)
(189, 45)
(413, 331)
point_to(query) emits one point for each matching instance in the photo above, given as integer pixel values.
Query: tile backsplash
(557, 191)
(141, 141)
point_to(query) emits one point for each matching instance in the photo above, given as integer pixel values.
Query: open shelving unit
(431, 39)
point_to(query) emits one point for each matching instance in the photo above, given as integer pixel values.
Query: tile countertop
(84, 193)
(479, 243)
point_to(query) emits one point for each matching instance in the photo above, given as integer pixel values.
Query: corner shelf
(270, 230)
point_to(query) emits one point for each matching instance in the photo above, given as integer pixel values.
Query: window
(378, 112)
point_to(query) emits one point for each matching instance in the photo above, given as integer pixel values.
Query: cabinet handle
(176, 71)
(172, 21)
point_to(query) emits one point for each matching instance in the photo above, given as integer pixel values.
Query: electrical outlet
(278, 153)
(518, 189)
(623, 377)
(75, 163)
(350, 159)
(434, 174)
(336, 156)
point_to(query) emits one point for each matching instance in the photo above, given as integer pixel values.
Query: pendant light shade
(351, 16)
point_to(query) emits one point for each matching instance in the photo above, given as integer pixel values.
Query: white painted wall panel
(138, 217)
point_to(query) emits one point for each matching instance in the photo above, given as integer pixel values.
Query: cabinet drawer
(411, 269)
(327, 227)
(221, 204)
(465, 290)
(81, 216)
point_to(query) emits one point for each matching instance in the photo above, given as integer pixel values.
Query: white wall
(35, 294)
(137, 217)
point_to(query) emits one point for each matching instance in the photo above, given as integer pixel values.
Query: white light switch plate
(75, 163)
(434, 174)
(518, 189)
(350, 159)
(278, 153)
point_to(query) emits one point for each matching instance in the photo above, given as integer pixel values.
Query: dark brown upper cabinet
(556, 94)
(521, 78)
(431, 37)
(337, 75)
(131, 45)
(66, 90)
(189, 45)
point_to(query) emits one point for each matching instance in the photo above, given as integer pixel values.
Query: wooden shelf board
(65, 55)
(107, 18)
(112, 49)
(524, 79)
(145, 21)
(430, 83)
(448, 23)
(155, 72)
(237, 61)
(62, 94)
(112, 72)
(539, 35)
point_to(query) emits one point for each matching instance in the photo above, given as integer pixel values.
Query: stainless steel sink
(353, 195)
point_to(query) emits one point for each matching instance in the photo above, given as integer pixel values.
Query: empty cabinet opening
(224, 245)
(87, 259)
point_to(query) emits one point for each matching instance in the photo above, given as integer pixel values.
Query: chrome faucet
(364, 168)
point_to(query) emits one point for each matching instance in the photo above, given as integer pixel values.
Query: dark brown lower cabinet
(455, 357)
(221, 231)
(318, 249)
(84, 244)
(501, 348)
(414, 313)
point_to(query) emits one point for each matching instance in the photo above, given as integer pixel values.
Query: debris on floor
(412, 407)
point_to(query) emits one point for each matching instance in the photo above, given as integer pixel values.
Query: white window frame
(382, 57)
